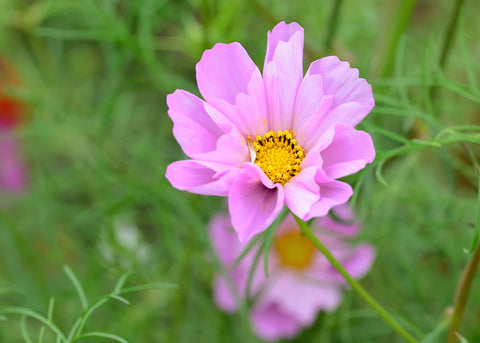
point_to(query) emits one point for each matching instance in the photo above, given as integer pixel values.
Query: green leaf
(100, 334)
(78, 286)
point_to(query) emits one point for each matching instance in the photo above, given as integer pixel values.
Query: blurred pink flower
(301, 282)
(273, 140)
(12, 173)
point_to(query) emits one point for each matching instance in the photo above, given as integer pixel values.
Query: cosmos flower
(265, 141)
(12, 172)
(301, 281)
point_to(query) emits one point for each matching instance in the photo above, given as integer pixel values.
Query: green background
(94, 76)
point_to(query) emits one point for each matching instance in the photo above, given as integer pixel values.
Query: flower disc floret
(279, 155)
(294, 250)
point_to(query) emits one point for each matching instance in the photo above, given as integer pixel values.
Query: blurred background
(84, 127)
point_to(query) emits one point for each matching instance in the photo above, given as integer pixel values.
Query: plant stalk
(404, 12)
(332, 25)
(354, 284)
(461, 294)
(452, 28)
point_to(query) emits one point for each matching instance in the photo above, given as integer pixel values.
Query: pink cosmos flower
(12, 176)
(301, 282)
(265, 141)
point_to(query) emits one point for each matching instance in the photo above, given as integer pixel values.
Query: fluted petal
(332, 193)
(310, 96)
(271, 323)
(312, 193)
(254, 202)
(352, 96)
(349, 151)
(229, 80)
(301, 298)
(282, 73)
(302, 192)
(224, 71)
(313, 130)
(193, 127)
(202, 177)
(344, 83)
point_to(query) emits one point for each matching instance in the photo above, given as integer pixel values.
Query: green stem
(354, 284)
(332, 25)
(402, 17)
(452, 27)
(447, 41)
(461, 295)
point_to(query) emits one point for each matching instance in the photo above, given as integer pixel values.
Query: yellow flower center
(294, 250)
(278, 155)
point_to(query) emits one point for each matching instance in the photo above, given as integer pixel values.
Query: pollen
(278, 154)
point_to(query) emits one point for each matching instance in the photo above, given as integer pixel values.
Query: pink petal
(313, 129)
(228, 248)
(332, 193)
(309, 97)
(271, 323)
(282, 73)
(222, 294)
(249, 113)
(252, 108)
(302, 298)
(12, 172)
(254, 202)
(283, 32)
(343, 82)
(224, 240)
(193, 128)
(349, 151)
(229, 80)
(346, 225)
(302, 192)
(231, 147)
(313, 157)
(350, 113)
(203, 132)
(224, 71)
(361, 261)
(312, 194)
(353, 97)
(230, 289)
(357, 261)
(201, 177)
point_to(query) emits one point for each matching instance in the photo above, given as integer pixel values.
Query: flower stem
(461, 295)
(332, 25)
(354, 284)
(452, 27)
(403, 14)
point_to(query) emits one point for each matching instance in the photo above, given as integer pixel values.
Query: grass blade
(100, 334)
(77, 285)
